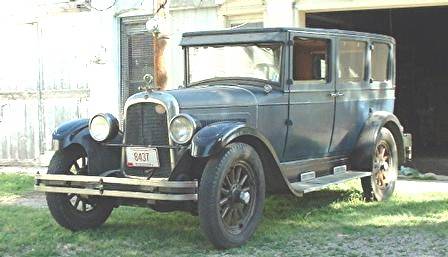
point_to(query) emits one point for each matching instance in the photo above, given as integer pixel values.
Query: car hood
(215, 96)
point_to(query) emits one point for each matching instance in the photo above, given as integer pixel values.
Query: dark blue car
(261, 110)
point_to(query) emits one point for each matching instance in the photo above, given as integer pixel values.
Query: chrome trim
(94, 185)
(153, 182)
(150, 146)
(196, 125)
(166, 100)
(116, 193)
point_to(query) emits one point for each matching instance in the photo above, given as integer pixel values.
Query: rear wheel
(231, 196)
(74, 211)
(380, 185)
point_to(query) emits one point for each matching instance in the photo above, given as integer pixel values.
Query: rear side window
(380, 62)
(310, 59)
(351, 60)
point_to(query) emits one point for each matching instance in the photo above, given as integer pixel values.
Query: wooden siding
(236, 12)
(45, 83)
(242, 7)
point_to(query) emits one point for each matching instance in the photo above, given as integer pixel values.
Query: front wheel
(74, 211)
(231, 196)
(380, 185)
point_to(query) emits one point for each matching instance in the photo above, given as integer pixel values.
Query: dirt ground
(33, 199)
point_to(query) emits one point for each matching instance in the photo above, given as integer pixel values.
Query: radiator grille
(144, 126)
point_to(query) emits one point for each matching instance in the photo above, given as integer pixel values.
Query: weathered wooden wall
(43, 82)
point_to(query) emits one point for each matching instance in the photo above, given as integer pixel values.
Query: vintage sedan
(261, 110)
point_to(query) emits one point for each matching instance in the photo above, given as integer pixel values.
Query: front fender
(362, 155)
(211, 139)
(65, 132)
(101, 158)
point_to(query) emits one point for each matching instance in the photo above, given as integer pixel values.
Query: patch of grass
(14, 184)
(334, 222)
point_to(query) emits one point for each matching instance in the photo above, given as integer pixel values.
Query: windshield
(260, 61)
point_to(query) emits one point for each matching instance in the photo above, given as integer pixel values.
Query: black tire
(380, 185)
(65, 208)
(239, 171)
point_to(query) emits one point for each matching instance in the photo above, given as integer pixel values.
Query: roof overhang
(237, 36)
(312, 6)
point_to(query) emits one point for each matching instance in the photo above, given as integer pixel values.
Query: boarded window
(351, 60)
(310, 59)
(380, 62)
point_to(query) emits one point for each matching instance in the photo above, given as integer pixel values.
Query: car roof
(269, 34)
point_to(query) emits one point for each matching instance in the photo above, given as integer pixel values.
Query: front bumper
(149, 189)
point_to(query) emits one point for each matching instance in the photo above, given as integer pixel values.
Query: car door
(352, 91)
(311, 108)
(360, 88)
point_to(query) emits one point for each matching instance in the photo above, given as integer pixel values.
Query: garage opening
(422, 72)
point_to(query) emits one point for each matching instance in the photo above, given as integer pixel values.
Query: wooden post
(159, 43)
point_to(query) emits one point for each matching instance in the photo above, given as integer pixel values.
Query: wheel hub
(381, 166)
(245, 197)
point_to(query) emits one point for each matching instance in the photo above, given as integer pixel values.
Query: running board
(325, 181)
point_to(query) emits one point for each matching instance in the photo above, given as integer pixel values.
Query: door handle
(336, 94)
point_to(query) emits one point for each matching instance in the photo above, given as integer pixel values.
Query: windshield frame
(215, 80)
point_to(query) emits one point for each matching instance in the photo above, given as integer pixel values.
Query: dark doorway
(422, 72)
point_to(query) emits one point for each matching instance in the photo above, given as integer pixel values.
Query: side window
(380, 62)
(351, 60)
(310, 59)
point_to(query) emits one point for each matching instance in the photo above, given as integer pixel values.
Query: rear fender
(362, 156)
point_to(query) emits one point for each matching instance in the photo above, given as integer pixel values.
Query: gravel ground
(23, 170)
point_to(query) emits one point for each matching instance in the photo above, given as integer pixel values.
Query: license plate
(142, 157)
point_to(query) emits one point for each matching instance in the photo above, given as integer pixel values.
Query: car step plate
(325, 181)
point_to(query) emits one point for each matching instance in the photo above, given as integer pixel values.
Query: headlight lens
(103, 127)
(182, 128)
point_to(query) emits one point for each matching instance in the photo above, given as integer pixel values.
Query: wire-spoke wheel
(81, 203)
(237, 197)
(381, 185)
(75, 211)
(231, 196)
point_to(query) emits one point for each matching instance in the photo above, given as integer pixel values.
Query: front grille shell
(144, 127)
